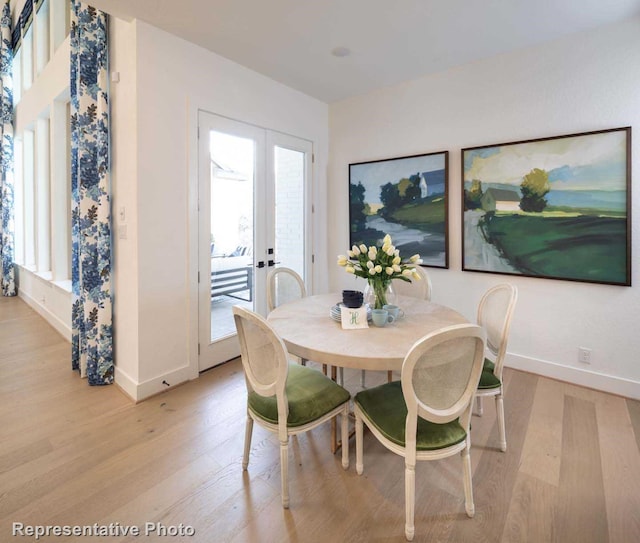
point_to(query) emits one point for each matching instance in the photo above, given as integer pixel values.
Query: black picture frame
(554, 208)
(405, 197)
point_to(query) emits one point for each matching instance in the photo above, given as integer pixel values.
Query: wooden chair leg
(409, 500)
(468, 488)
(247, 442)
(389, 376)
(359, 444)
(345, 436)
(284, 472)
(501, 427)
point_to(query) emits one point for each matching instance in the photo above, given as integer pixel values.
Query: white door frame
(228, 348)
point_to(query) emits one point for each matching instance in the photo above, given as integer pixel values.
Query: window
(42, 141)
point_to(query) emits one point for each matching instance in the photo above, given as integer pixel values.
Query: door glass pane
(289, 209)
(232, 182)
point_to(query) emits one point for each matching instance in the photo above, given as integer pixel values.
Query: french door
(254, 189)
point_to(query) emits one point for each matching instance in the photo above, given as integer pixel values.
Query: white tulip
(397, 268)
(370, 264)
(350, 269)
(378, 268)
(396, 260)
(372, 271)
(342, 260)
(414, 259)
(407, 273)
(416, 275)
(389, 270)
(372, 256)
(355, 250)
(391, 250)
(387, 240)
(350, 253)
(363, 248)
(397, 252)
(373, 249)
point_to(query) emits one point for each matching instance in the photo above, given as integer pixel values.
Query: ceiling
(389, 40)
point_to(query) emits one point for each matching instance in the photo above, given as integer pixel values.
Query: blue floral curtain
(92, 345)
(7, 273)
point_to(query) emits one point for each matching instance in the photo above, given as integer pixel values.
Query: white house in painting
(500, 200)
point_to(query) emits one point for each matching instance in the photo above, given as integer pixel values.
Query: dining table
(308, 331)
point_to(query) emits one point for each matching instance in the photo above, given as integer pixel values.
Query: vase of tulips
(379, 265)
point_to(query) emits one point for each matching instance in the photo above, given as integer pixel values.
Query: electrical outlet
(584, 355)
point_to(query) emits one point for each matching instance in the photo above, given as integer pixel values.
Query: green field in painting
(427, 216)
(571, 247)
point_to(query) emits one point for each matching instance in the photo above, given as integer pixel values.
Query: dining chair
(427, 414)
(421, 288)
(286, 399)
(284, 285)
(495, 312)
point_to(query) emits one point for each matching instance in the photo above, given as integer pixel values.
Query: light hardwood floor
(71, 454)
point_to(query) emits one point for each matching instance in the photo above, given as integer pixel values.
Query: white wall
(173, 79)
(124, 203)
(582, 83)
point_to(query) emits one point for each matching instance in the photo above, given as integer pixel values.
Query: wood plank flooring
(71, 454)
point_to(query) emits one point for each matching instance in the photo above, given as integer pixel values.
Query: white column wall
(585, 82)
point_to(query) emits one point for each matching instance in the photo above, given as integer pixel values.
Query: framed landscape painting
(406, 198)
(557, 208)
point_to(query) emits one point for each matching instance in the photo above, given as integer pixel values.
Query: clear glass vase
(378, 293)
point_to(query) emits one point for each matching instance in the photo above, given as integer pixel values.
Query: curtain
(92, 334)
(7, 273)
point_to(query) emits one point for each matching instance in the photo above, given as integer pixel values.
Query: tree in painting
(534, 187)
(473, 196)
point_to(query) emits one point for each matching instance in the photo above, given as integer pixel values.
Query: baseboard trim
(142, 391)
(578, 376)
(43, 311)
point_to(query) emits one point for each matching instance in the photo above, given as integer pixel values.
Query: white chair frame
(460, 410)
(277, 388)
(271, 285)
(497, 338)
(421, 288)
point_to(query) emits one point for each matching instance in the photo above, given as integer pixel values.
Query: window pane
(289, 212)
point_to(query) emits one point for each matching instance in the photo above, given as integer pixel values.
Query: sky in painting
(588, 162)
(373, 175)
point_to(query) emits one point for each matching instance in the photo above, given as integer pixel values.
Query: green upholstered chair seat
(385, 407)
(310, 395)
(487, 378)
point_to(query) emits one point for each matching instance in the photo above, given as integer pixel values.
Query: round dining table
(308, 331)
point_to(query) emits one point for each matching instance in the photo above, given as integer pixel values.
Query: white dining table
(309, 332)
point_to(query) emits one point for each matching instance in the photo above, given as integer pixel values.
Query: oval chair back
(418, 288)
(495, 312)
(284, 285)
(264, 360)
